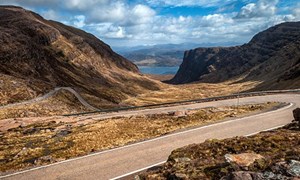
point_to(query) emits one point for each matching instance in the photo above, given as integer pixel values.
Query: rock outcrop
(272, 56)
(40, 55)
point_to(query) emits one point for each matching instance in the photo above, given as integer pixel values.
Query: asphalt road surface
(120, 161)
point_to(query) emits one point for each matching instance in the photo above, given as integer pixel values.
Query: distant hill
(271, 57)
(37, 55)
(159, 55)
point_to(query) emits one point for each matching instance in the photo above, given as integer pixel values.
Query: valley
(62, 91)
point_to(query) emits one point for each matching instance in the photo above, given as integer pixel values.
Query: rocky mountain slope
(37, 55)
(272, 57)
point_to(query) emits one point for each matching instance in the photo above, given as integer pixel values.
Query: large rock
(296, 113)
(294, 168)
(244, 159)
(180, 113)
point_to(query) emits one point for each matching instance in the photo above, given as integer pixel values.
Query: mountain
(272, 57)
(159, 55)
(37, 55)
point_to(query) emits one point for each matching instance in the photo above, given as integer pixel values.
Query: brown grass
(174, 93)
(30, 145)
(14, 90)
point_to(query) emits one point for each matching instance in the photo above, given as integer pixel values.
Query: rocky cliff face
(272, 56)
(40, 55)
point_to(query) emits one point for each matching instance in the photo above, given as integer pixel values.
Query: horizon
(124, 23)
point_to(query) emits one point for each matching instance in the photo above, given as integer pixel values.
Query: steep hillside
(272, 57)
(37, 55)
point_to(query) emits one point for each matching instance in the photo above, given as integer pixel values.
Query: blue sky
(148, 22)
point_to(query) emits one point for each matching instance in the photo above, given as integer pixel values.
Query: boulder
(294, 168)
(296, 113)
(180, 113)
(244, 159)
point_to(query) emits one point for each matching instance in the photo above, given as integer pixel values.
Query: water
(158, 70)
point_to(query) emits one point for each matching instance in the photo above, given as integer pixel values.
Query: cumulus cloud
(202, 3)
(84, 5)
(213, 20)
(263, 8)
(142, 14)
(111, 12)
(130, 23)
(122, 14)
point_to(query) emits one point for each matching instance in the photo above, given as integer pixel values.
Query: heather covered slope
(37, 55)
(272, 57)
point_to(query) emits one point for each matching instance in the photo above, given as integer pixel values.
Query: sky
(150, 22)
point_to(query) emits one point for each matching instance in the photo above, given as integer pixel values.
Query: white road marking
(142, 169)
(270, 129)
(136, 171)
(135, 144)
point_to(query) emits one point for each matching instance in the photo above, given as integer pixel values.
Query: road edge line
(141, 169)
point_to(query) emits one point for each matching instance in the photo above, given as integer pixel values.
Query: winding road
(50, 94)
(119, 162)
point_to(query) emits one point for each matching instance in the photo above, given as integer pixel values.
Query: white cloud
(213, 20)
(120, 13)
(116, 33)
(84, 5)
(142, 14)
(111, 12)
(263, 8)
(202, 3)
(109, 30)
